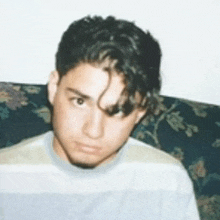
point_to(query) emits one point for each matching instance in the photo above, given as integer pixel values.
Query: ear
(140, 115)
(52, 86)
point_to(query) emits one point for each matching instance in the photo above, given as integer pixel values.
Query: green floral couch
(190, 131)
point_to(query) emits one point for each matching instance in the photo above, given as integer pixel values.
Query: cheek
(67, 120)
(120, 131)
(64, 118)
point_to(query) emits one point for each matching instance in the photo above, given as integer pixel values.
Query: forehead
(94, 81)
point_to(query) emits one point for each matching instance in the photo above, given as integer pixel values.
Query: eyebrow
(110, 110)
(77, 92)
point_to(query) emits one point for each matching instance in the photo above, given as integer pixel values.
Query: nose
(94, 124)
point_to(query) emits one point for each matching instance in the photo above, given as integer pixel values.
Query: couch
(188, 130)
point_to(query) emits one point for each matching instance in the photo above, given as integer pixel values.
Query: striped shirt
(141, 183)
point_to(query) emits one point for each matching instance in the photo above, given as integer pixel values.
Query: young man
(106, 79)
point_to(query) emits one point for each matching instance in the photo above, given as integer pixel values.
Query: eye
(119, 114)
(78, 101)
(115, 111)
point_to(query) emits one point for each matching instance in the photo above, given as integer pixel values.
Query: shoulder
(29, 151)
(141, 152)
(155, 167)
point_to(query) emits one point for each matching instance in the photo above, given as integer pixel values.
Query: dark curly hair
(129, 51)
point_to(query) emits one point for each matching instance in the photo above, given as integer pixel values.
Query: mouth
(88, 148)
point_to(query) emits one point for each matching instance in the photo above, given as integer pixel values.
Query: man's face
(85, 134)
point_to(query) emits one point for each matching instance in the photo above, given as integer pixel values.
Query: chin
(84, 165)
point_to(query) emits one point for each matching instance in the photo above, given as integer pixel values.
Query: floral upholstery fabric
(189, 131)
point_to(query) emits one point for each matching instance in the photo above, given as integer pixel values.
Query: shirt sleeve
(192, 209)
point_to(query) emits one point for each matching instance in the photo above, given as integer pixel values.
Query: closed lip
(88, 148)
